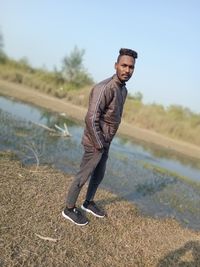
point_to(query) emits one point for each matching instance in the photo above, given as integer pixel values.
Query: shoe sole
(90, 211)
(70, 219)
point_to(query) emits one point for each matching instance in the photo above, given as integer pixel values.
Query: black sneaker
(92, 208)
(75, 216)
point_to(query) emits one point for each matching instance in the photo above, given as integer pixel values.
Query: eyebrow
(132, 65)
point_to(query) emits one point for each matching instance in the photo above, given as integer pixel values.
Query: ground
(34, 233)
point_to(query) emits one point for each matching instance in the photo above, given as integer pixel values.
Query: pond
(160, 182)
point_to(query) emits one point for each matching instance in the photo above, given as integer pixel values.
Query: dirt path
(29, 95)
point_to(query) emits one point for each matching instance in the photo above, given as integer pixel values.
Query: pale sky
(165, 33)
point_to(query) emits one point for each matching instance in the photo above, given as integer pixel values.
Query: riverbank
(33, 232)
(32, 96)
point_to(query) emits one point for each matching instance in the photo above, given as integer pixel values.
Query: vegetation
(59, 83)
(73, 83)
(2, 54)
(164, 172)
(74, 71)
(174, 121)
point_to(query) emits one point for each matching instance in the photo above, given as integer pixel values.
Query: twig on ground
(35, 154)
(47, 238)
(64, 130)
(46, 127)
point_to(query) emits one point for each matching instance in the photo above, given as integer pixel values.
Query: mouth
(125, 76)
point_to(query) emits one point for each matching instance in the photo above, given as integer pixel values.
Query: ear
(116, 65)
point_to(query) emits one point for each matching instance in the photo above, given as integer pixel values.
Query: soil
(34, 233)
(29, 95)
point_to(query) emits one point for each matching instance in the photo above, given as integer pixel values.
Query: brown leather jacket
(104, 112)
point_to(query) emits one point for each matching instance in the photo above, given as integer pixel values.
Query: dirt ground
(76, 112)
(33, 232)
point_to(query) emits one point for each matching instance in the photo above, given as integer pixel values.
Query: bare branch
(47, 238)
(34, 153)
(46, 127)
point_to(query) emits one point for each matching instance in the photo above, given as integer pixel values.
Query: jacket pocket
(104, 130)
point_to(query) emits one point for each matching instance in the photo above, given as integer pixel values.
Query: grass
(167, 193)
(33, 232)
(195, 185)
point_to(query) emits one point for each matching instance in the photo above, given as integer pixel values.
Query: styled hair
(127, 52)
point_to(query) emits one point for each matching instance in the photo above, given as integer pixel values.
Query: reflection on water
(170, 160)
(24, 111)
(155, 193)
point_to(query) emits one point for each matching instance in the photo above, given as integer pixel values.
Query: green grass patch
(162, 171)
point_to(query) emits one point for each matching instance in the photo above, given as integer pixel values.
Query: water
(21, 110)
(134, 170)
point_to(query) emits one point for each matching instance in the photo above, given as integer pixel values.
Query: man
(102, 121)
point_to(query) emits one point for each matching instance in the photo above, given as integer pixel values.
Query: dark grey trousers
(93, 166)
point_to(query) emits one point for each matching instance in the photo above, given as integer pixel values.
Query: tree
(73, 69)
(138, 96)
(1, 42)
(2, 54)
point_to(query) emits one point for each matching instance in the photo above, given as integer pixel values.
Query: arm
(97, 104)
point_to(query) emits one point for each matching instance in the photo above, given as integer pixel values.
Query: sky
(165, 33)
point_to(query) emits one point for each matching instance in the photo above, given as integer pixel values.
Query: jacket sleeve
(114, 125)
(97, 104)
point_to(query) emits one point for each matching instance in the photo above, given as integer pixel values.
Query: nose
(127, 69)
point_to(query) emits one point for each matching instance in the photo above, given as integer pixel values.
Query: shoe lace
(75, 210)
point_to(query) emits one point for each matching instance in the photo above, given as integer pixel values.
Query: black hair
(127, 52)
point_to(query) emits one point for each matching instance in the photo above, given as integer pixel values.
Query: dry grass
(31, 205)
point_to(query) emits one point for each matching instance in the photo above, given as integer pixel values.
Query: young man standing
(102, 121)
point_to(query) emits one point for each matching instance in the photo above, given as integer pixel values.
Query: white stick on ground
(34, 153)
(64, 130)
(46, 127)
(47, 238)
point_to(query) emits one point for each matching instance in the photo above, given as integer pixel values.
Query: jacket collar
(117, 80)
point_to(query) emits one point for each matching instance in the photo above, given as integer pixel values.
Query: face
(124, 68)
